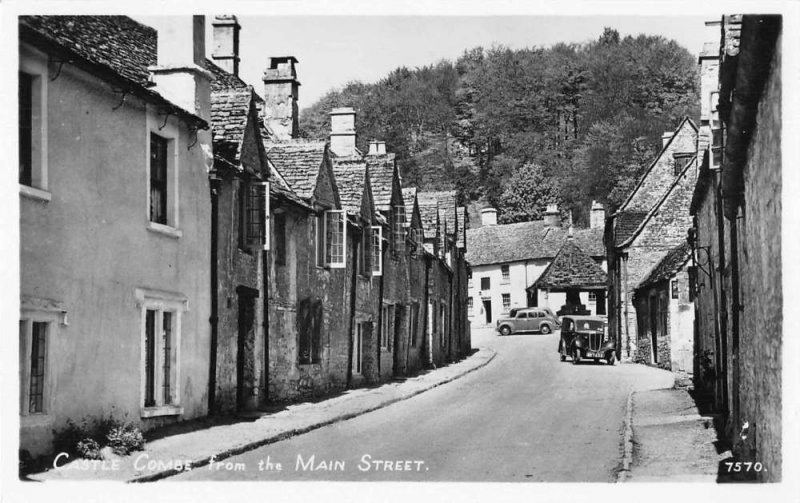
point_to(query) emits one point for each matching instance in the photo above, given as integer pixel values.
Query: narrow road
(524, 417)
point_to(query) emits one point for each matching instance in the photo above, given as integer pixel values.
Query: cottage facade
(114, 213)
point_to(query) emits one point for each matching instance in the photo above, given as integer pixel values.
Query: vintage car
(530, 319)
(586, 337)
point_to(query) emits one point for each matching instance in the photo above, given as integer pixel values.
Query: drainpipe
(214, 319)
(624, 301)
(723, 302)
(736, 301)
(379, 331)
(353, 279)
(427, 343)
(265, 269)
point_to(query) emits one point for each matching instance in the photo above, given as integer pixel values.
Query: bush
(87, 438)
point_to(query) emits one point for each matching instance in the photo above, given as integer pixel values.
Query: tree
(527, 194)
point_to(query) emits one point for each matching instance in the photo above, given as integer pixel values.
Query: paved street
(524, 417)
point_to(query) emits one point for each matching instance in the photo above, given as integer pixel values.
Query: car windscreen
(589, 325)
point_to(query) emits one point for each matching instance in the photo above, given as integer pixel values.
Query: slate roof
(381, 170)
(571, 268)
(447, 203)
(627, 222)
(299, 162)
(409, 194)
(280, 188)
(111, 47)
(428, 212)
(229, 114)
(349, 174)
(668, 266)
(498, 244)
(462, 227)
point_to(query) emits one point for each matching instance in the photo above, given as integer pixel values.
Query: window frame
(387, 326)
(398, 229)
(592, 296)
(169, 130)
(377, 249)
(160, 302)
(35, 64)
(26, 320)
(364, 252)
(251, 214)
(505, 274)
(505, 298)
(342, 242)
(486, 280)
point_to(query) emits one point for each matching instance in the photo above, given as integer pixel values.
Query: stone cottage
(114, 214)
(652, 220)
(665, 314)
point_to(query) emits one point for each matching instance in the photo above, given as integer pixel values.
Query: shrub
(87, 438)
(88, 448)
(125, 438)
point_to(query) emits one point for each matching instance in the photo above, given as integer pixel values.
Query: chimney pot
(551, 216)
(488, 216)
(226, 43)
(343, 131)
(665, 138)
(281, 92)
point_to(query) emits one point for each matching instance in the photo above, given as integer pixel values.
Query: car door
(521, 322)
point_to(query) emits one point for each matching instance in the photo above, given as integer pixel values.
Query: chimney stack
(377, 147)
(551, 217)
(180, 74)
(226, 43)
(281, 92)
(597, 216)
(488, 216)
(709, 68)
(666, 137)
(343, 132)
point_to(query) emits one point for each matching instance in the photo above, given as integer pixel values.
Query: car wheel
(505, 330)
(563, 358)
(545, 329)
(576, 356)
(611, 359)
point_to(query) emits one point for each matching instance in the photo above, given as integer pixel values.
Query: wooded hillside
(522, 128)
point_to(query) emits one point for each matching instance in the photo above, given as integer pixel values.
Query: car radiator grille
(595, 341)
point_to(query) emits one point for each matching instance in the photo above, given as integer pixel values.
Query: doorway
(487, 308)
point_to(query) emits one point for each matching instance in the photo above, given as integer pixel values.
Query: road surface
(524, 417)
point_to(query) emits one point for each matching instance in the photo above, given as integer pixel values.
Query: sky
(335, 50)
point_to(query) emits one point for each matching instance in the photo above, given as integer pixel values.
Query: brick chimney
(343, 132)
(377, 147)
(597, 216)
(180, 74)
(488, 216)
(281, 90)
(226, 43)
(552, 218)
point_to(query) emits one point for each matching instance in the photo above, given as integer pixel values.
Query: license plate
(594, 354)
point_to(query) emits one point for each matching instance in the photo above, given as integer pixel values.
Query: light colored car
(531, 319)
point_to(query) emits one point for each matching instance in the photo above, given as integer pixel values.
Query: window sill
(166, 230)
(164, 410)
(34, 193)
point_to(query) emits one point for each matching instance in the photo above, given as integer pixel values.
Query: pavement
(176, 453)
(668, 439)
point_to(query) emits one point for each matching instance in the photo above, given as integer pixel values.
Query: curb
(299, 431)
(627, 441)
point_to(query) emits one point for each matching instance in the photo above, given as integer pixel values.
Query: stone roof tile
(668, 266)
(381, 170)
(349, 174)
(299, 162)
(571, 268)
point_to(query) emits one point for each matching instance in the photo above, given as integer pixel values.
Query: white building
(506, 259)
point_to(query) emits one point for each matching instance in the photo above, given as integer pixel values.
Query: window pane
(334, 233)
(485, 284)
(158, 179)
(377, 263)
(25, 128)
(36, 395)
(149, 359)
(167, 396)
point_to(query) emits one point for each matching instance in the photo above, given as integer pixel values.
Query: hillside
(518, 129)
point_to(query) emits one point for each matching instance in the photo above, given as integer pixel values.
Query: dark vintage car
(586, 337)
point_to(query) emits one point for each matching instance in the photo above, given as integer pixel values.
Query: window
(469, 306)
(161, 340)
(280, 238)
(25, 128)
(251, 215)
(505, 272)
(309, 330)
(592, 296)
(506, 302)
(675, 293)
(365, 251)
(680, 161)
(485, 283)
(32, 138)
(158, 179)
(377, 258)
(387, 324)
(398, 228)
(33, 345)
(413, 236)
(442, 325)
(331, 236)
(469, 277)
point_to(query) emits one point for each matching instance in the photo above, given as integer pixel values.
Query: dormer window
(679, 161)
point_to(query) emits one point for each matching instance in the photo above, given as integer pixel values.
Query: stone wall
(760, 265)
